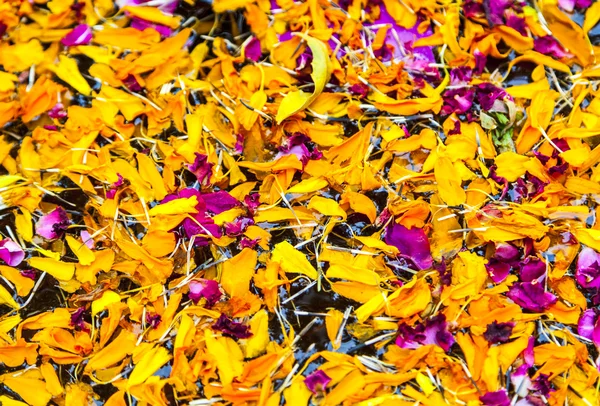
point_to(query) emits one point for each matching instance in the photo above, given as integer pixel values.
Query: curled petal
(318, 380)
(81, 35)
(205, 288)
(53, 225)
(11, 252)
(411, 243)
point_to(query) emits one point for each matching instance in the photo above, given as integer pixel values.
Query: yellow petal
(148, 365)
(327, 207)
(292, 261)
(83, 253)
(257, 344)
(448, 181)
(63, 271)
(68, 71)
(177, 206)
(104, 301)
(298, 100)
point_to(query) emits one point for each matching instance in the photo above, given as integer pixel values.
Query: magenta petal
(588, 268)
(498, 398)
(231, 328)
(506, 252)
(532, 268)
(498, 332)
(548, 45)
(218, 202)
(205, 288)
(412, 243)
(11, 252)
(253, 50)
(141, 25)
(87, 239)
(53, 225)
(81, 35)
(318, 380)
(531, 296)
(498, 271)
(201, 168)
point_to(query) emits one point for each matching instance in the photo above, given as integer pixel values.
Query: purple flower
(318, 380)
(238, 227)
(239, 144)
(218, 202)
(487, 94)
(548, 45)
(53, 225)
(80, 35)
(457, 101)
(205, 288)
(201, 168)
(589, 326)
(11, 252)
(531, 296)
(498, 398)
(253, 50)
(413, 244)
(58, 111)
(498, 332)
(433, 332)
(532, 269)
(588, 268)
(153, 319)
(231, 328)
(29, 273)
(77, 320)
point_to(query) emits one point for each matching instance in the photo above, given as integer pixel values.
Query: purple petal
(487, 94)
(588, 268)
(153, 319)
(528, 355)
(253, 50)
(520, 380)
(201, 168)
(81, 35)
(252, 202)
(531, 296)
(472, 9)
(246, 242)
(543, 385)
(494, 10)
(238, 226)
(506, 252)
(201, 229)
(87, 239)
(53, 225)
(77, 320)
(205, 288)
(433, 332)
(458, 101)
(412, 243)
(480, 61)
(517, 23)
(498, 271)
(29, 273)
(498, 398)
(498, 332)
(58, 111)
(548, 45)
(532, 269)
(11, 252)
(231, 328)
(218, 202)
(318, 380)
(141, 25)
(587, 324)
